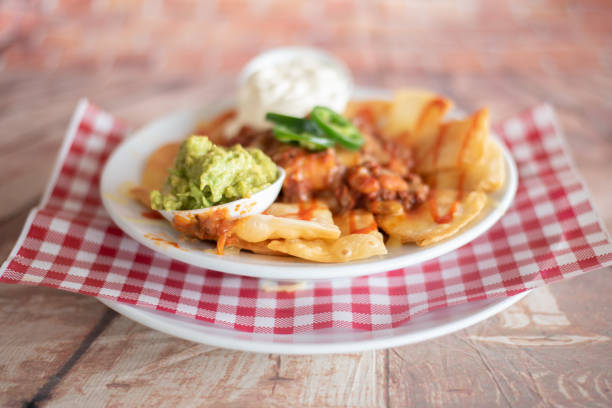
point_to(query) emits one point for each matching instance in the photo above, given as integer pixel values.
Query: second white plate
(125, 165)
(421, 328)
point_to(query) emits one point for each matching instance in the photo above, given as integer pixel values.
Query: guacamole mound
(205, 174)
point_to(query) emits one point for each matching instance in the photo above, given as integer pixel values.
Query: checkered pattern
(550, 233)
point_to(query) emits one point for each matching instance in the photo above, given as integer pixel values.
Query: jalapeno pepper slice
(304, 139)
(291, 122)
(304, 132)
(337, 127)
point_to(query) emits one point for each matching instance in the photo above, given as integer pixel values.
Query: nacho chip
(215, 127)
(377, 108)
(356, 222)
(255, 247)
(415, 115)
(491, 173)
(345, 249)
(288, 221)
(155, 172)
(488, 175)
(420, 226)
(360, 239)
(458, 143)
(315, 211)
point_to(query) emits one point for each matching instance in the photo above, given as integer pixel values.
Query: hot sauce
(162, 241)
(436, 103)
(306, 210)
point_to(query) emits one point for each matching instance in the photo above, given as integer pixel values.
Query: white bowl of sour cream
(290, 81)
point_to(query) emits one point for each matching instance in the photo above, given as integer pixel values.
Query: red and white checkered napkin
(550, 233)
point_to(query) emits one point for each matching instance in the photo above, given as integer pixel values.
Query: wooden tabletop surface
(59, 349)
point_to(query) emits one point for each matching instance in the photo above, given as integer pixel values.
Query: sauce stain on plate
(162, 240)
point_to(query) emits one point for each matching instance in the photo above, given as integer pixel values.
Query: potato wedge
(419, 225)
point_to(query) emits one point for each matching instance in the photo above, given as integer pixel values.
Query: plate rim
(310, 271)
(150, 319)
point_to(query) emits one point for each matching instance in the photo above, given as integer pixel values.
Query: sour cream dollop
(291, 86)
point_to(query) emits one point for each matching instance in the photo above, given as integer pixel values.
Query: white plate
(326, 341)
(125, 166)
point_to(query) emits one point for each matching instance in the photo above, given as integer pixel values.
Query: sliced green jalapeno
(304, 139)
(337, 127)
(304, 132)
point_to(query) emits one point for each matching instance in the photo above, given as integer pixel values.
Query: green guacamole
(205, 174)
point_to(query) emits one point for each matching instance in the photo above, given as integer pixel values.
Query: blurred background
(142, 58)
(468, 49)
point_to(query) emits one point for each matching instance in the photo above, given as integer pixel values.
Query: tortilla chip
(419, 225)
(356, 222)
(142, 195)
(488, 175)
(415, 115)
(378, 108)
(255, 247)
(491, 173)
(155, 172)
(315, 211)
(360, 239)
(345, 249)
(457, 144)
(215, 127)
(284, 221)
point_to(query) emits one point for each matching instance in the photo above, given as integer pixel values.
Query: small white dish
(127, 161)
(281, 54)
(255, 204)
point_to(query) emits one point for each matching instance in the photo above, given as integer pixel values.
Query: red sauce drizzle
(221, 242)
(306, 210)
(436, 103)
(162, 241)
(224, 228)
(152, 214)
(366, 115)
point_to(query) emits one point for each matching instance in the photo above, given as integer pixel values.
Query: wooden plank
(42, 329)
(537, 353)
(132, 365)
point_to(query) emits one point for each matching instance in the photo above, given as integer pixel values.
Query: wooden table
(553, 348)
